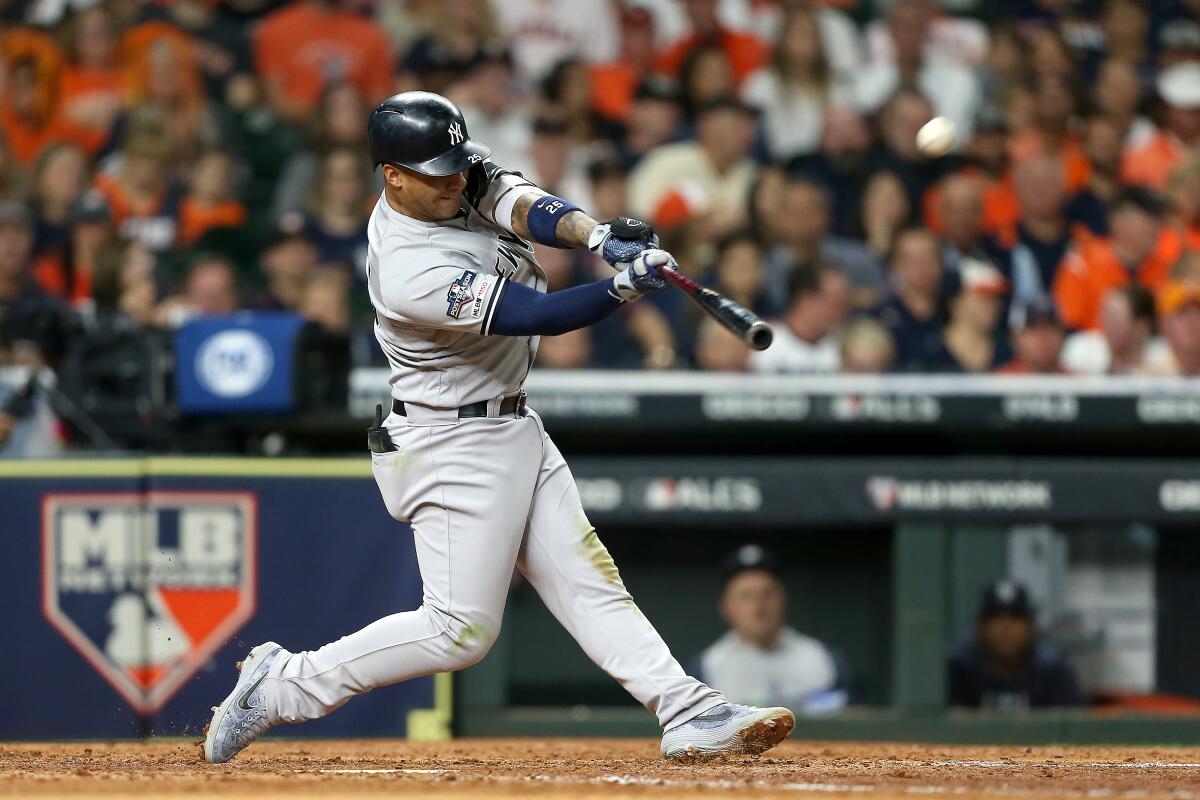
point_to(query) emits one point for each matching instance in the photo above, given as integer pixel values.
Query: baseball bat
(744, 324)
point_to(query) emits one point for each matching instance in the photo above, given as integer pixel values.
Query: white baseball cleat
(728, 729)
(243, 717)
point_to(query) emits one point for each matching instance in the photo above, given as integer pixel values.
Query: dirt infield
(592, 768)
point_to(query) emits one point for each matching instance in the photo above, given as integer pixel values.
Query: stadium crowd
(163, 160)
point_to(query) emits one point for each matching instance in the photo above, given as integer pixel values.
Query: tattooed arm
(572, 230)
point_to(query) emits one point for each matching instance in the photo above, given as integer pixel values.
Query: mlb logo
(147, 586)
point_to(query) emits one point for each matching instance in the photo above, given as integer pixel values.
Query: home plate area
(608, 768)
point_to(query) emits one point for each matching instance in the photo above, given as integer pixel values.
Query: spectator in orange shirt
(1096, 266)
(1055, 105)
(303, 47)
(746, 53)
(210, 202)
(221, 40)
(143, 199)
(614, 83)
(987, 152)
(27, 118)
(1037, 340)
(165, 84)
(1152, 162)
(91, 88)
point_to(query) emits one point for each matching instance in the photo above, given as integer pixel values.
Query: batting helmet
(424, 132)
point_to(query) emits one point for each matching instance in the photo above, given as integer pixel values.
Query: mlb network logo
(147, 586)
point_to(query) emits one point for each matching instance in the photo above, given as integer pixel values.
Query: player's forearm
(572, 230)
(527, 312)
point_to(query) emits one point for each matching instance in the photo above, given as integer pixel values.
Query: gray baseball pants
(484, 495)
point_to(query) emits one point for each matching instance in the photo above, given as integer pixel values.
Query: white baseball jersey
(435, 287)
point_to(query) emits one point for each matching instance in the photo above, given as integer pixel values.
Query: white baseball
(936, 137)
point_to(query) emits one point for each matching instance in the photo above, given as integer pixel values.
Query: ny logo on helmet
(456, 133)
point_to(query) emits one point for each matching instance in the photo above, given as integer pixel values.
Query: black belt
(509, 406)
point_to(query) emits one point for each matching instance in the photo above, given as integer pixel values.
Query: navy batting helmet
(424, 132)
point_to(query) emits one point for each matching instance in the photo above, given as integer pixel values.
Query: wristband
(544, 216)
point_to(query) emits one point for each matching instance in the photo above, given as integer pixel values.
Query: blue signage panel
(239, 363)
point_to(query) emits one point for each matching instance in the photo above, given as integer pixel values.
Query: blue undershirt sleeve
(522, 311)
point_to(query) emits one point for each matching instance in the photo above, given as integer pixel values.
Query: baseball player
(460, 302)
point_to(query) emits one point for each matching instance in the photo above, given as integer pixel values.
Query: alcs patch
(460, 294)
(147, 586)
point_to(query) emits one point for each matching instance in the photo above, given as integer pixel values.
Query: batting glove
(642, 276)
(621, 240)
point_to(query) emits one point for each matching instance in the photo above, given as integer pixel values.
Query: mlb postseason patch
(460, 294)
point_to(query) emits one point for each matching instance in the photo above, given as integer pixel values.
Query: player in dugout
(761, 659)
(1004, 665)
